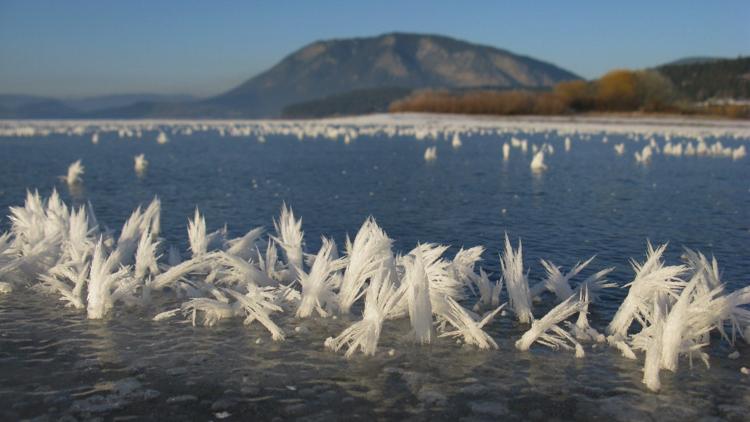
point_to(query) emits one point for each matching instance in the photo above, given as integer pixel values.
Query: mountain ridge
(693, 60)
(338, 66)
(406, 60)
(35, 106)
(711, 80)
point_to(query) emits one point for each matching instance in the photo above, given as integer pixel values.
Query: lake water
(56, 363)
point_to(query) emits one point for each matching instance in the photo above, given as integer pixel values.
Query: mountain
(32, 107)
(717, 79)
(325, 71)
(101, 102)
(693, 60)
(36, 107)
(11, 101)
(410, 61)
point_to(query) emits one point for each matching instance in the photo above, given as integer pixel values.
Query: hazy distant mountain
(10, 101)
(409, 61)
(335, 67)
(717, 79)
(30, 106)
(693, 60)
(122, 100)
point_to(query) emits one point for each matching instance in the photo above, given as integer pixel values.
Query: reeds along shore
(669, 315)
(620, 91)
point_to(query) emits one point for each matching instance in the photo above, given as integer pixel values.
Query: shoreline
(582, 117)
(390, 124)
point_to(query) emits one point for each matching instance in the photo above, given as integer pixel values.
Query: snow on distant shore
(419, 125)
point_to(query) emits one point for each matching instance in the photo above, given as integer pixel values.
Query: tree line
(642, 91)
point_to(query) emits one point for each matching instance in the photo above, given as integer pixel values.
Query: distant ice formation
(456, 142)
(663, 136)
(140, 164)
(75, 171)
(537, 163)
(430, 154)
(162, 138)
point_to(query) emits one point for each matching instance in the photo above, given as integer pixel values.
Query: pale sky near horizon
(80, 48)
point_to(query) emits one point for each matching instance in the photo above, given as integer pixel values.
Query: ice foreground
(287, 285)
(62, 251)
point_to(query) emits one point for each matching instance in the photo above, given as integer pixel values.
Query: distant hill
(10, 101)
(336, 67)
(122, 100)
(29, 106)
(410, 61)
(717, 79)
(694, 60)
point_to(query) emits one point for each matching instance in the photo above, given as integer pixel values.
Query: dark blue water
(590, 202)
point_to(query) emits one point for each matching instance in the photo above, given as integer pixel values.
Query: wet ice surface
(130, 366)
(589, 202)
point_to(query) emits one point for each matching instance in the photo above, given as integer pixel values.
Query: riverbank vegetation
(643, 91)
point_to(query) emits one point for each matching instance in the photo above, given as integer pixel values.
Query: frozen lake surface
(590, 201)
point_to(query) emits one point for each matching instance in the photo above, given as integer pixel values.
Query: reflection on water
(77, 191)
(590, 201)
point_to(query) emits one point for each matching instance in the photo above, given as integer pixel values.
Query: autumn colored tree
(617, 91)
(575, 95)
(550, 103)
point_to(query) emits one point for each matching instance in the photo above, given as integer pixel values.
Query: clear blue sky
(78, 48)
